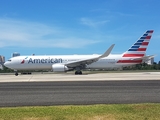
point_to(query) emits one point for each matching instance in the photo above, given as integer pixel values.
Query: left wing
(83, 62)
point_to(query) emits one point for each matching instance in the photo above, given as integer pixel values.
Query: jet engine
(59, 68)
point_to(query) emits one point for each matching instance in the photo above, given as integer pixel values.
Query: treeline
(144, 66)
(6, 70)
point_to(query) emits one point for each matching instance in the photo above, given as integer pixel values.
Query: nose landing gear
(16, 73)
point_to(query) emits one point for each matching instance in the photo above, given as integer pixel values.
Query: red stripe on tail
(151, 31)
(148, 37)
(141, 49)
(145, 43)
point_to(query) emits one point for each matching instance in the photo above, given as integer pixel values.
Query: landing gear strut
(78, 73)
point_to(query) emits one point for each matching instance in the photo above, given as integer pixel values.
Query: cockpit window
(9, 60)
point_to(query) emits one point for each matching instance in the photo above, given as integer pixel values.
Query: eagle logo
(23, 61)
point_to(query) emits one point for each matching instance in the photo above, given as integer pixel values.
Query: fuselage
(46, 62)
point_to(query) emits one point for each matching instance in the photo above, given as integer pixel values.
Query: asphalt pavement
(79, 92)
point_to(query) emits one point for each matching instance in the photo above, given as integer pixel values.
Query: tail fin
(140, 47)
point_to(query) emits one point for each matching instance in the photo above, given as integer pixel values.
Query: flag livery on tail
(138, 49)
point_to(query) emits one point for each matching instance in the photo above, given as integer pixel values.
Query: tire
(78, 73)
(16, 74)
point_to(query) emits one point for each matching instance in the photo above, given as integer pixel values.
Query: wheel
(16, 73)
(78, 73)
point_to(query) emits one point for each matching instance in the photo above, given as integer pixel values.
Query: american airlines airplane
(62, 63)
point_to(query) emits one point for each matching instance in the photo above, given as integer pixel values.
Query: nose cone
(6, 64)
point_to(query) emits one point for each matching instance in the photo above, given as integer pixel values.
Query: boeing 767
(62, 63)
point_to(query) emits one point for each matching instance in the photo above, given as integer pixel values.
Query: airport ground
(68, 89)
(88, 89)
(87, 76)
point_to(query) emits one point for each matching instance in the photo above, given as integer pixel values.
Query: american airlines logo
(48, 60)
(23, 61)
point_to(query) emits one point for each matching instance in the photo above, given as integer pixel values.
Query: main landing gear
(78, 73)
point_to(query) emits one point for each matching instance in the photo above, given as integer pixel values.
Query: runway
(70, 89)
(85, 77)
(79, 92)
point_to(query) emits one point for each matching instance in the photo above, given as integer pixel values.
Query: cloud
(124, 14)
(72, 43)
(62, 43)
(92, 23)
(33, 34)
(20, 31)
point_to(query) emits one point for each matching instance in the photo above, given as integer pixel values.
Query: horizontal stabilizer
(144, 58)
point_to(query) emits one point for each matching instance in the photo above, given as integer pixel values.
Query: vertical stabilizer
(139, 48)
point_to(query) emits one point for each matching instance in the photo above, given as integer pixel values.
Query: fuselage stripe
(129, 61)
(133, 55)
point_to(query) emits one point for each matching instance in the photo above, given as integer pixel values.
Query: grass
(90, 112)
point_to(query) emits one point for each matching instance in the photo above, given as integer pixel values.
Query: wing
(84, 62)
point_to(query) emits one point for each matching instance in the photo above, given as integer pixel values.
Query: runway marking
(30, 78)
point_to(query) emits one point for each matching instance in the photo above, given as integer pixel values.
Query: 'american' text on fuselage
(48, 60)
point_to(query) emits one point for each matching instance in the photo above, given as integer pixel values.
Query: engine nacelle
(59, 68)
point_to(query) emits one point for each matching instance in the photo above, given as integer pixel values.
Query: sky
(52, 27)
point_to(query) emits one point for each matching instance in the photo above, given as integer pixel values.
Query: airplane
(136, 54)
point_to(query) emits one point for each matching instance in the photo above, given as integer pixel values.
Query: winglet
(107, 52)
